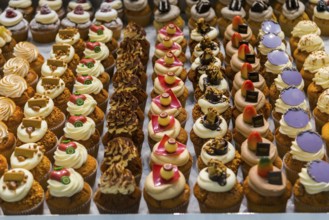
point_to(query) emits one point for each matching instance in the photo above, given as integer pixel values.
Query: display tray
(193, 208)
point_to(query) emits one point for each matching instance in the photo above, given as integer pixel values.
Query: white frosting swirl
(172, 132)
(71, 40)
(310, 43)
(160, 69)
(197, 62)
(219, 107)
(106, 16)
(78, 18)
(46, 70)
(321, 15)
(203, 132)
(80, 133)
(27, 163)
(50, 18)
(223, 85)
(53, 4)
(323, 102)
(312, 187)
(290, 131)
(209, 185)
(36, 135)
(321, 77)
(274, 69)
(52, 93)
(95, 71)
(64, 57)
(101, 55)
(212, 34)
(12, 86)
(17, 66)
(21, 4)
(75, 160)
(301, 155)
(282, 107)
(316, 60)
(280, 84)
(26, 50)
(178, 90)
(104, 38)
(264, 50)
(41, 112)
(136, 5)
(156, 110)
(86, 6)
(305, 27)
(12, 21)
(86, 109)
(226, 158)
(94, 88)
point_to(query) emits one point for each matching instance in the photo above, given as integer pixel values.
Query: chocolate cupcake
(202, 9)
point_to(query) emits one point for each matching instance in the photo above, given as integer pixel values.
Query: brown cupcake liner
(179, 209)
(303, 207)
(50, 153)
(103, 210)
(100, 127)
(34, 83)
(103, 105)
(36, 210)
(8, 152)
(110, 70)
(59, 129)
(292, 175)
(271, 208)
(90, 179)
(43, 181)
(276, 122)
(93, 151)
(206, 209)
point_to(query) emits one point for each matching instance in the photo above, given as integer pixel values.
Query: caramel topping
(134, 31)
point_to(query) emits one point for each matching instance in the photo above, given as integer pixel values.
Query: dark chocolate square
(275, 178)
(263, 149)
(243, 28)
(250, 58)
(258, 121)
(251, 96)
(253, 76)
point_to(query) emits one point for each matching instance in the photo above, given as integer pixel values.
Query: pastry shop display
(56, 5)
(45, 25)
(3, 165)
(168, 150)
(30, 156)
(13, 20)
(65, 184)
(7, 141)
(100, 33)
(11, 114)
(267, 43)
(72, 37)
(209, 126)
(293, 11)
(66, 53)
(167, 13)
(23, 6)
(26, 197)
(140, 12)
(7, 43)
(71, 154)
(219, 149)
(256, 147)
(203, 45)
(114, 4)
(108, 17)
(202, 9)
(174, 33)
(307, 146)
(216, 182)
(78, 18)
(318, 86)
(266, 188)
(85, 5)
(321, 17)
(320, 112)
(117, 192)
(165, 190)
(247, 122)
(293, 121)
(233, 45)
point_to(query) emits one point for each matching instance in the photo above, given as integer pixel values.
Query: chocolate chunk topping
(292, 5)
(203, 6)
(164, 6)
(235, 5)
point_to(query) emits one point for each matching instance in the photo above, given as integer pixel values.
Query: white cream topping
(323, 102)
(293, 14)
(209, 185)
(321, 77)
(21, 4)
(280, 84)
(305, 27)
(52, 93)
(8, 22)
(172, 132)
(27, 163)
(312, 187)
(301, 155)
(53, 4)
(219, 107)
(212, 34)
(290, 131)
(50, 18)
(86, 109)
(226, 158)
(197, 62)
(94, 88)
(80, 133)
(282, 107)
(75, 160)
(203, 132)
(36, 135)
(101, 55)
(178, 160)
(77, 18)
(41, 112)
(65, 57)
(223, 85)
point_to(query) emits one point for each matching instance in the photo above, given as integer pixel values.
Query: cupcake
(43, 106)
(165, 124)
(228, 13)
(7, 141)
(170, 81)
(174, 33)
(45, 25)
(207, 127)
(58, 68)
(307, 146)
(167, 45)
(270, 26)
(319, 84)
(277, 6)
(168, 102)
(256, 147)
(312, 64)
(131, 48)
(247, 73)
(290, 97)
(56, 5)
(25, 7)
(320, 112)
(166, 14)
(232, 47)
(71, 154)
(54, 87)
(268, 43)
(71, 36)
(83, 130)
(13, 20)
(7, 43)
(266, 188)
(26, 197)
(31, 157)
(130, 75)
(86, 105)
(202, 9)
(100, 33)
(3, 165)
(65, 184)
(308, 198)
(16, 88)
(219, 149)
(66, 53)
(31, 53)
(21, 67)
(10, 114)
(288, 77)
(293, 11)
(260, 11)
(168, 150)
(85, 5)
(217, 182)
(250, 121)
(306, 45)
(137, 33)
(249, 95)
(35, 130)
(94, 87)
(277, 61)
(302, 28)
(79, 19)
(320, 17)
(166, 190)
(292, 122)
(219, 5)
(124, 152)
(115, 4)
(138, 11)
(108, 17)
(203, 45)
(216, 99)
(117, 192)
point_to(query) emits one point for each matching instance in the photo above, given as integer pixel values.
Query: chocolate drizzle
(217, 172)
(164, 6)
(121, 121)
(203, 6)
(211, 120)
(207, 57)
(205, 43)
(292, 5)
(217, 147)
(203, 27)
(235, 5)
(214, 95)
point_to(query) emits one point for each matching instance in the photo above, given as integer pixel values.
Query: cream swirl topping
(47, 70)
(27, 136)
(323, 102)
(290, 131)
(78, 18)
(197, 36)
(301, 155)
(276, 69)
(94, 88)
(3, 132)
(86, 109)
(220, 107)
(310, 43)
(85, 5)
(321, 77)
(209, 185)
(178, 90)
(43, 111)
(305, 27)
(136, 5)
(50, 18)
(316, 60)
(198, 51)
(322, 15)
(7, 108)
(66, 57)
(223, 85)
(17, 66)
(245, 129)
(282, 107)
(156, 110)
(26, 50)
(5, 36)
(101, 55)
(74, 160)
(106, 16)
(105, 37)
(70, 40)
(312, 187)
(178, 160)
(11, 21)
(280, 84)
(12, 86)
(197, 63)
(265, 50)
(80, 133)
(169, 16)
(51, 91)
(22, 4)
(95, 71)
(27, 163)
(295, 13)
(201, 131)
(53, 4)
(161, 69)
(226, 158)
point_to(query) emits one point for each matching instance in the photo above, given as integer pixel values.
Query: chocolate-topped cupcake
(203, 45)
(202, 9)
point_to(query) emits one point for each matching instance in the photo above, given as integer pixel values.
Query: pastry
(66, 53)
(24, 6)
(117, 192)
(2, 62)
(292, 122)
(256, 147)
(71, 36)
(320, 17)
(71, 154)
(65, 184)
(307, 146)
(100, 33)
(270, 26)
(25, 198)
(209, 126)
(138, 11)
(13, 20)
(166, 190)
(166, 14)
(7, 141)
(202, 9)
(320, 112)
(132, 49)
(45, 25)
(319, 84)
(56, 5)
(167, 45)
(86, 5)
(174, 33)
(293, 11)
(233, 45)
(115, 4)
(267, 43)
(10, 114)
(168, 150)
(203, 45)
(31, 157)
(218, 182)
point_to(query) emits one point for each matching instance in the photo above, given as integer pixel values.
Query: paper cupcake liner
(303, 207)
(90, 179)
(318, 123)
(44, 179)
(34, 83)
(103, 105)
(100, 127)
(110, 70)
(132, 209)
(8, 152)
(50, 153)
(142, 20)
(272, 208)
(93, 151)
(276, 122)
(36, 210)
(292, 175)
(179, 209)
(58, 130)
(205, 209)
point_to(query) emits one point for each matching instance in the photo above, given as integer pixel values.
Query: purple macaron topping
(296, 118)
(292, 96)
(271, 40)
(270, 26)
(318, 170)
(278, 57)
(291, 77)
(309, 141)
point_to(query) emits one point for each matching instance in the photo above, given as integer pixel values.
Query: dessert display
(165, 14)
(267, 43)
(25, 7)
(233, 45)
(202, 9)
(167, 45)
(320, 17)
(174, 33)
(203, 45)
(114, 4)
(14, 21)
(56, 5)
(66, 53)
(320, 112)
(318, 86)
(100, 33)
(11, 114)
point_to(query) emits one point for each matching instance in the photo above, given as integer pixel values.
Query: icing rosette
(81, 104)
(26, 50)
(88, 85)
(17, 66)
(3, 132)
(53, 4)
(27, 156)
(64, 38)
(11, 17)
(7, 108)
(100, 33)
(70, 154)
(96, 50)
(53, 67)
(39, 106)
(79, 128)
(90, 66)
(291, 97)
(289, 77)
(78, 16)
(12, 86)
(321, 77)
(204, 129)
(323, 102)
